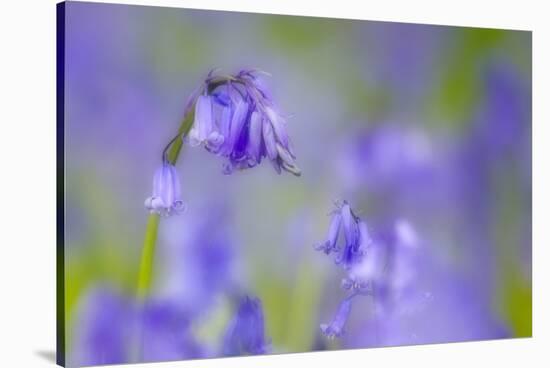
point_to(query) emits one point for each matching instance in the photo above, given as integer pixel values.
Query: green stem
(145, 274)
(147, 256)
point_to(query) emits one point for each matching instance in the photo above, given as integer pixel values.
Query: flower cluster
(235, 118)
(382, 268)
(356, 236)
(349, 255)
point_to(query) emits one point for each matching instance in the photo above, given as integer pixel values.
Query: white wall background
(27, 180)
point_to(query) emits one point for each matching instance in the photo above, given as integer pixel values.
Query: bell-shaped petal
(166, 197)
(329, 245)
(237, 123)
(269, 140)
(203, 123)
(255, 138)
(336, 327)
(350, 225)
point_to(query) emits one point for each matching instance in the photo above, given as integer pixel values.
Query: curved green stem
(145, 274)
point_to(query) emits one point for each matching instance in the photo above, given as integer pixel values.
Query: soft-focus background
(424, 125)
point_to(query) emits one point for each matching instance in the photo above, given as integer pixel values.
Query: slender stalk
(145, 274)
(147, 256)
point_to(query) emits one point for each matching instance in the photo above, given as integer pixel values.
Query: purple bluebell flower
(235, 118)
(204, 130)
(356, 236)
(246, 331)
(336, 327)
(166, 198)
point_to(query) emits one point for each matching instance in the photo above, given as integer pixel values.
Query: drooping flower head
(166, 197)
(356, 236)
(235, 118)
(246, 331)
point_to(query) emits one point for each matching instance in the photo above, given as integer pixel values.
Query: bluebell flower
(246, 331)
(166, 197)
(356, 236)
(336, 327)
(235, 118)
(204, 130)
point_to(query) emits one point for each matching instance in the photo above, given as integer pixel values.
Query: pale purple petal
(203, 117)
(269, 140)
(336, 327)
(278, 126)
(255, 137)
(237, 122)
(350, 225)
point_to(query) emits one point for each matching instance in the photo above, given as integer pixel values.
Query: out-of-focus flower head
(381, 265)
(391, 160)
(166, 333)
(389, 269)
(236, 118)
(199, 260)
(246, 331)
(166, 197)
(114, 329)
(103, 329)
(348, 254)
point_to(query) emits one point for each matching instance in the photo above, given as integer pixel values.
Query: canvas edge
(60, 184)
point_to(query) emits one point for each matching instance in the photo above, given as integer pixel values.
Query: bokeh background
(417, 124)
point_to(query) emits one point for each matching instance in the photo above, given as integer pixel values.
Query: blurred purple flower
(453, 310)
(390, 158)
(356, 242)
(246, 331)
(336, 327)
(504, 120)
(235, 118)
(105, 332)
(166, 333)
(166, 198)
(381, 266)
(102, 329)
(199, 262)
